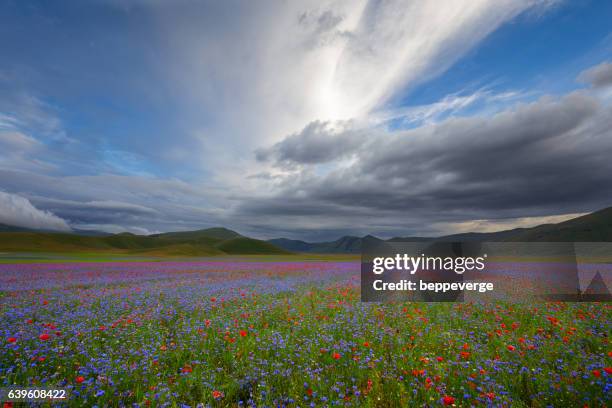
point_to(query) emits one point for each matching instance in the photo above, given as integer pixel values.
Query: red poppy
(448, 400)
(58, 333)
(207, 323)
(490, 395)
(466, 346)
(44, 337)
(217, 394)
(511, 347)
(243, 333)
(187, 369)
(366, 344)
(597, 373)
(213, 299)
(11, 340)
(608, 370)
(440, 359)
(79, 379)
(465, 354)
(309, 392)
(336, 356)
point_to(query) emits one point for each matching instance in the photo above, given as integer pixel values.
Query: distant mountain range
(594, 227)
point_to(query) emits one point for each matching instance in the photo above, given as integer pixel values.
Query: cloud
(114, 229)
(280, 66)
(16, 142)
(599, 76)
(18, 211)
(318, 142)
(134, 203)
(398, 43)
(541, 158)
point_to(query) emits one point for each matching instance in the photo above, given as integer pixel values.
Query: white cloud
(272, 68)
(18, 211)
(599, 76)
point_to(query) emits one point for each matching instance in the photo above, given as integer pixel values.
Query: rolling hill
(206, 242)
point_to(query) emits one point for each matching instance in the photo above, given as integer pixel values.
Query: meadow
(247, 332)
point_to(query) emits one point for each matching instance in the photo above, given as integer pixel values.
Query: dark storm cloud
(318, 142)
(599, 76)
(547, 157)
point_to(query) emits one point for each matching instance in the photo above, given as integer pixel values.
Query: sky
(306, 120)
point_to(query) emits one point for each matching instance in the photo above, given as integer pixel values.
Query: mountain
(206, 242)
(594, 227)
(344, 245)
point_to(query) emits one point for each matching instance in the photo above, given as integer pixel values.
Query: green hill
(594, 227)
(249, 246)
(207, 242)
(215, 234)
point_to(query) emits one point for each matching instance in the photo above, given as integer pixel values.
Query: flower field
(231, 333)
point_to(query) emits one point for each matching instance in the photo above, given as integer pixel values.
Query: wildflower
(243, 333)
(213, 299)
(11, 340)
(366, 344)
(217, 394)
(336, 356)
(608, 370)
(448, 400)
(440, 359)
(465, 355)
(510, 347)
(44, 337)
(597, 373)
(79, 379)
